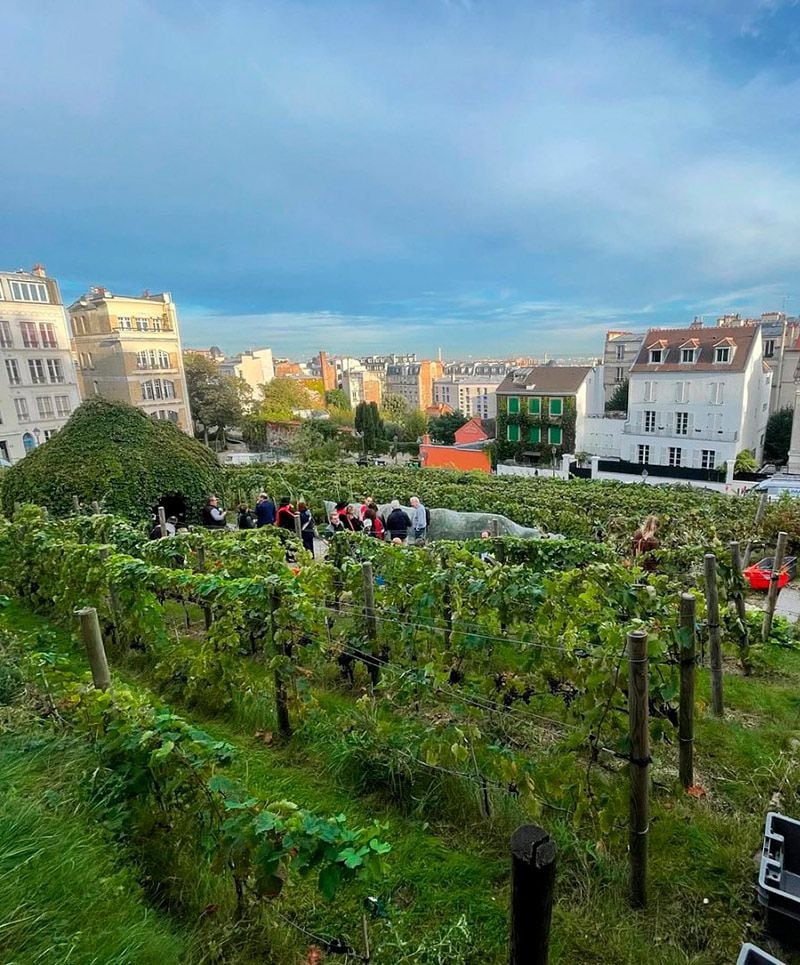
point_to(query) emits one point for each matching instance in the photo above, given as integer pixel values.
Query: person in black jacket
(307, 527)
(213, 516)
(397, 522)
(245, 519)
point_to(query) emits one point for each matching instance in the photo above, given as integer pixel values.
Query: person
(375, 523)
(335, 525)
(397, 523)
(645, 541)
(396, 541)
(213, 516)
(285, 515)
(172, 527)
(265, 511)
(419, 518)
(307, 527)
(351, 521)
(245, 518)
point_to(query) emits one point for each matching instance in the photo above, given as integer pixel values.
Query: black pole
(533, 875)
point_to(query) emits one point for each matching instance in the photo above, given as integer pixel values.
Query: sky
(492, 177)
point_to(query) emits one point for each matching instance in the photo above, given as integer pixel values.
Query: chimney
(426, 439)
(38, 269)
(697, 323)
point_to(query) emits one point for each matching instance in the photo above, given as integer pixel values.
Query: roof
(471, 432)
(448, 457)
(544, 380)
(704, 340)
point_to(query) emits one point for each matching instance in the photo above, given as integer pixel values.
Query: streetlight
(553, 454)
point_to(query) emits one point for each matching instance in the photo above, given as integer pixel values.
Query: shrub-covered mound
(114, 453)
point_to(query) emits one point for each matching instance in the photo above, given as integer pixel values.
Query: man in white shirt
(419, 519)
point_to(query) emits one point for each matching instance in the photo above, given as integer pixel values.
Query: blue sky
(487, 176)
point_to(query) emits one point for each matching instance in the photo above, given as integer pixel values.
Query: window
(687, 355)
(534, 406)
(49, 433)
(47, 334)
(30, 338)
(5, 335)
(4, 445)
(708, 459)
(656, 356)
(681, 391)
(554, 435)
(28, 442)
(681, 423)
(172, 415)
(535, 435)
(141, 324)
(556, 407)
(619, 374)
(124, 322)
(722, 353)
(649, 392)
(717, 393)
(141, 360)
(512, 433)
(675, 453)
(12, 370)
(86, 360)
(22, 410)
(169, 389)
(63, 407)
(620, 353)
(25, 291)
(45, 406)
(55, 370)
(644, 455)
(769, 350)
(650, 420)
(513, 405)
(36, 369)
(156, 324)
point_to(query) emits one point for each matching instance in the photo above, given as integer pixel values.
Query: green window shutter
(554, 435)
(512, 433)
(556, 407)
(535, 406)
(534, 434)
(513, 405)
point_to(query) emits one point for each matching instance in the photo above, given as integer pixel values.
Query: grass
(448, 866)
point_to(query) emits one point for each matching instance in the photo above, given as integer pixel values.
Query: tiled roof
(704, 340)
(544, 380)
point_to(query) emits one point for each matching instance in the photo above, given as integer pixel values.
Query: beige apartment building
(128, 348)
(413, 382)
(38, 383)
(255, 367)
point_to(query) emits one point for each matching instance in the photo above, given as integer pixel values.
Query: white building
(472, 395)
(39, 385)
(698, 397)
(619, 353)
(255, 366)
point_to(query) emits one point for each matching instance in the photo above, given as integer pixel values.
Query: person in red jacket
(285, 516)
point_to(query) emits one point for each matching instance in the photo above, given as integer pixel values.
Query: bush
(114, 453)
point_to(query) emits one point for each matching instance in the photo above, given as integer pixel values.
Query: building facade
(698, 397)
(128, 348)
(619, 354)
(362, 386)
(38, 385)
(470, 394)
(255, 367)
(413, 382)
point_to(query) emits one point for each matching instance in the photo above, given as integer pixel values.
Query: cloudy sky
(488, 176)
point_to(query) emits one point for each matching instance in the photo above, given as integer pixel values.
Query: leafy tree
(215, 399)
(745, 462)
(337, 399)
(619, 398)
(280, 398)
(443, 427)
(369, 423)
(314, 444)
(394, 407)
(415, 424)
(778, 436)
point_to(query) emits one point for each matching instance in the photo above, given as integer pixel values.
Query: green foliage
(415, 423)
(443, 427)
(337, 398)
(778, 435)
(114, 453)
(216, 400)
(313, 444)
(745, 462)
(394, 407)
(619, 398)
(369, 423)
(279, 399)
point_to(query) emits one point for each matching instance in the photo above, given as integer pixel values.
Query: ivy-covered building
(541, 411)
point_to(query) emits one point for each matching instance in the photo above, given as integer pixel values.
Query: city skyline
(363, 177)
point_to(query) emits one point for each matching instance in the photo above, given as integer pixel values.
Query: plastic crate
(758, 574)
(750, 955)
(779, 876)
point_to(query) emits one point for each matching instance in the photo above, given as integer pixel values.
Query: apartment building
(255, 367)
(619, 354)
(413, 382)
(472, 395)
(39, 385)
(361, 385)
(698, 397)
(128, 348)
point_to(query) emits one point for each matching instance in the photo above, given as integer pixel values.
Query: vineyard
(308, 758)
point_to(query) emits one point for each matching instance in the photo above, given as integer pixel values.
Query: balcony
(668, 432)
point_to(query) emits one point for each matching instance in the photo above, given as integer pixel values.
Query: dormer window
(687, 355)
(656, 356)
(722, 353)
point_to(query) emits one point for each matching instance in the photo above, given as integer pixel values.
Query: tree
(280, 398)
(394, 407)
(415, 423)
(443, 427)
(778, 437)
(313, 444)
(745, 462)
(369, 423)
(619, 398)
(216, 400)
(337, 399)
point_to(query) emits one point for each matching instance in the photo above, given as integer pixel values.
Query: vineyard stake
(533, 876)
(281, 699)
(714, 641)
(95, 651)
(757, 520)
(104, 552)
(162, 521)
(76, 505)
(298, 529)
(639, 767)
(741, 612)
(208, 616)
(774, 580)
(371, 621)
(95, 507)
(686, 700)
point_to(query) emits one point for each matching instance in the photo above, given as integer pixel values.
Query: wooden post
(76, 505)
(208, 616)
(758, 519)
(281, 697)
(533, 876)
(95, 506)
(772, 593)
(741, 612)
(493, 527)
(714, 637)
(639, 724)
(686, 704)
(162, 521)
(371, 621)
(298, 529)
(95, 651)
